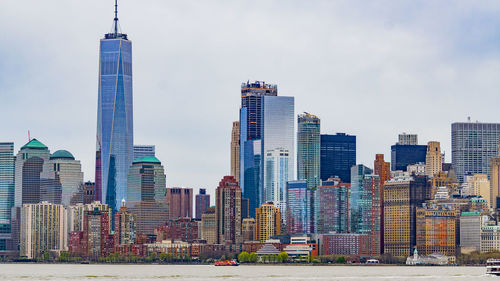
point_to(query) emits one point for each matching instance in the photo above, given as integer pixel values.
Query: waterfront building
(333, 196)
(436, 231)
(115, 131)
(298, 209)
(146, 189)
(97, 240)
(228, 211)
(61, 180)
(338, 155)
(344, 244)
(235, 151)
(370, 214)
(125, 227)
(7, 175)
(472, 147)
(144, 151)
(401, 198)
(495, 182)
(180, 202)
(358, 173)
(308, 149)
(433, 159)
(267, 221)
(43, 228)
(490, 238)
(470, 231)
(209, 226)
(404, 155)
(277, 177)
(248, 228)
(202, 202)
(407, 139)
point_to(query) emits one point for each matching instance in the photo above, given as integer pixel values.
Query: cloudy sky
(368, 68)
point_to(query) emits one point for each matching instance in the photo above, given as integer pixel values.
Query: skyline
(174, 129)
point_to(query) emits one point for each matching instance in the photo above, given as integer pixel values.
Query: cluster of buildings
(291, 188)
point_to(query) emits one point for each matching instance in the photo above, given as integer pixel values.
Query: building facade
(209, 226)
(436, 231)
(407, 139)
(298, 207)
(277, 161)
(404, 155)
(358, 173)
(308, 149)
(267, 222)
(333, 198)
(125, 227)
(180, 202)
(228, 211)
(495, 182)
(338, 155)
(7, 176)
(433, 159)
(235, 151)
(470, 231)
(202, 203)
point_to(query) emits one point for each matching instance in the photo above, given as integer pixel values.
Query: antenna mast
(116, 17)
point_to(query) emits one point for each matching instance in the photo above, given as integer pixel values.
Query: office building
(228, 211)
(115, 131)
(404, 155)
(433, 159)
(298, 209)
(472, 147)
(470, 231)
(180, 202)
(338, 155)
(358, 173)
(267, 222)
(407, 139)
(144, 151)
(436, 231)
(308, 149)
(202, 202)
(277, 161)
(344, 244)
(125, 227)
(333, 198)
(490, 238)
(209, 226)
(235, 151)
(479, 185)
(7, 175)
(146, 194)
(44, 228)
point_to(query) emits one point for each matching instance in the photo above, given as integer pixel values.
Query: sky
(373, 69)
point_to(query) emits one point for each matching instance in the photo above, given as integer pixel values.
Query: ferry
(226, 263)
(493, 266)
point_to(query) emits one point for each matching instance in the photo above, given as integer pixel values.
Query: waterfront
(61, 272)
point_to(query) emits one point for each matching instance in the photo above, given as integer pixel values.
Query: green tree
(153, 256)
(243, 257)
(163, 257)
(253, 257)
(283, 257)
(341, 259)
(64, 257)
(45, 256)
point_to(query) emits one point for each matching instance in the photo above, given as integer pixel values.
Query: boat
(493, 266)
(372, 261)
(226, 263)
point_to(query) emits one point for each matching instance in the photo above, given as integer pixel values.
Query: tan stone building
(436, 231)
(209, 226)
(268, 221)
(248, 229)
(479, 185)
(433, 159)
(494, 181)
(235, 151)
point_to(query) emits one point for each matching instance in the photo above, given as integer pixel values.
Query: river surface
(249, 272)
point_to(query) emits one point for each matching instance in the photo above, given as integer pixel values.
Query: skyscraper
(433, 159)
(308, 149)
(115, 134)
(333, 196)
(202, 203)
(298, 210)
(370, 222)
(180, 202)
(494, 181)
(235, 151)
(358, 173)
(7, 161)
(383, 170)
(338, 155)
(472, 146)
(267, 222)
(228, 211)
(404, 155)
(277, 176)
(144, 151)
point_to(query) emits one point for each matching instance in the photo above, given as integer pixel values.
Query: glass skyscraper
(308, 149)
(114, 118)
(298, 209)
(338, 155)
(277, 177)
(358, 173)
(404, 155)
(472, 147)
(7, 161)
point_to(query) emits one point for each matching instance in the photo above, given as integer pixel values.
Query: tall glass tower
(114, 117)
(7, 161)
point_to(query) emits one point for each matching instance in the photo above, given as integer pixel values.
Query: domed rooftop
(34, 144)
(62, 154)
(147, 159)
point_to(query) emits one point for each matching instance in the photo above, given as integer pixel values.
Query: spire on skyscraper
(116, 18)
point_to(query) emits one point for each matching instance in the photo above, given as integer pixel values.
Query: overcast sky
(369, 68)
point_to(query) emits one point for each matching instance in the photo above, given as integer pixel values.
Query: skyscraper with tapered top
(115, 133)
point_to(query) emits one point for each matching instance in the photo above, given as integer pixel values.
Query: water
(246, 272)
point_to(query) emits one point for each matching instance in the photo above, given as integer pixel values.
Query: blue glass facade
(404, 155)
(338, 155)
(298, 209)
(7, 164)
(114, 118)
(358, 173)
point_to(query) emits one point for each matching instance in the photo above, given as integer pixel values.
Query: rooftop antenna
(29, 137)
(116, 17)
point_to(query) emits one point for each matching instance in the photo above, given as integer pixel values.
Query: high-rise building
(115, 131)
(338, 155)
(209, 226)
(436, 231)
(267, 221)
(251, 98)
(433, 159)
(407, 139)
(202, 202)
(495, 182)
(298, 209)
(125, 227)
(308, 150)
(235, 151)
(76, 214)
(180, 202)
(29, 165)
(146, 189)
(44, 227)
(7, 175)
(88, 192)
(479, 185)
(96, 238)
(277, 177)
(248, 229)
(144, 151)
(62, 179)
(333, 198)
(228, 211)
(402, 196)
(370, 215)
(358, 173)
(470, 231)
(383, 170)
(472, 146)
(404, 155)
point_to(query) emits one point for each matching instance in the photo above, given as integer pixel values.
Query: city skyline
(449, 76)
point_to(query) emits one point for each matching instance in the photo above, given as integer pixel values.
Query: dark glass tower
(338, 155)
(114, 117)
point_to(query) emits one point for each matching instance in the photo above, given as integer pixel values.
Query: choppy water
(208, 272)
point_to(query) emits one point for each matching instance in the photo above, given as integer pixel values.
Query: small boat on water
(226, 263)
(493, 266)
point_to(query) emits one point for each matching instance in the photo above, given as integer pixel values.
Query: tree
(283, 257)
(253, 257)
(63, 257)
(153, 256)
(163, 257)
(341, 259)
(243, 257)
(45, 256)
